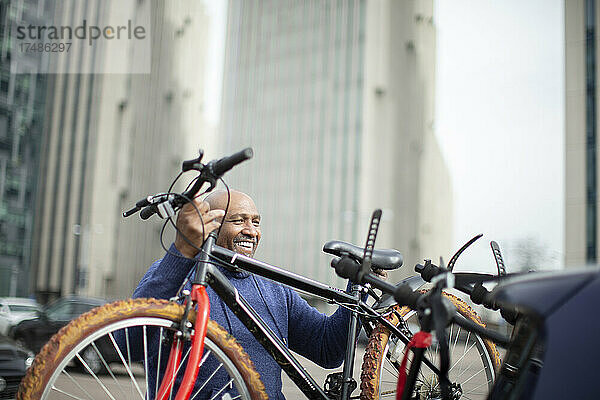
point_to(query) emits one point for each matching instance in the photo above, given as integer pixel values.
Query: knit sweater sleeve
(165, 276)
(316, 336)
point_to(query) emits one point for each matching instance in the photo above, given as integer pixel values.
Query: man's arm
(316, 336)
(165, 276)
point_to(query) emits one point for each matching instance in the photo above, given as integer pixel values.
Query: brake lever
(194, 164)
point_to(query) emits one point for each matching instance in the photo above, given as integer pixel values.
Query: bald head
(240, 231)
(217, 200)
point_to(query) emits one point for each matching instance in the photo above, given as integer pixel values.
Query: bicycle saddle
(382, 259)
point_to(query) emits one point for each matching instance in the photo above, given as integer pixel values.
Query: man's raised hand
(189, 225)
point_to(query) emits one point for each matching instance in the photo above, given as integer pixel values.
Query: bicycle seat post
(348, 384)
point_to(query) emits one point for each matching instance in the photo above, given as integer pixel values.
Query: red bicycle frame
(200, 298)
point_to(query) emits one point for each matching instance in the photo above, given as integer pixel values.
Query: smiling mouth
(244, 246)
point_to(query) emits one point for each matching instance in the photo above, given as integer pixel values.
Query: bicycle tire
(57, 357)
(380, 363)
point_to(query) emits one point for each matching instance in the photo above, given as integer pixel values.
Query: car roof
(18, 300)
(81, 299)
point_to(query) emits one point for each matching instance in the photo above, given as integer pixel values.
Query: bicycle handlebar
(226, 163)
(476, 291)
(147, 212)
(215, 170)
(346, 267)
(166, 204)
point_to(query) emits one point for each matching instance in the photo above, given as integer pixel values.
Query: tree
(529, 253)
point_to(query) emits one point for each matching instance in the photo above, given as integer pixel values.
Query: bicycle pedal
(333, 385)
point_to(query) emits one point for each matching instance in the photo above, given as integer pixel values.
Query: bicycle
(540, 305)
(183, 324)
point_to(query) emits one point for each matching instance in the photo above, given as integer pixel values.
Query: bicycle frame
(209, 275)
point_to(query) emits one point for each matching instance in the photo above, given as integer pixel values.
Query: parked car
(14, 310)
(14, 361)
(33, 334)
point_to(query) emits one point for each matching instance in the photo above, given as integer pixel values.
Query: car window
(80, 308)
(22, 308)
(61, 311)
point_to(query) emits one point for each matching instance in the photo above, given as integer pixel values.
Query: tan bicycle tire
(374, 353)
(60, 345)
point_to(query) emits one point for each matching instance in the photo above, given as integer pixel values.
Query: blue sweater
(305, 330)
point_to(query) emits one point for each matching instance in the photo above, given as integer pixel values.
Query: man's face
(240, 231)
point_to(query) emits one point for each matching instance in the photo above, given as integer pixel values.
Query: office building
(336, 98)
(22, 106)
(581, 132)
(112, 139)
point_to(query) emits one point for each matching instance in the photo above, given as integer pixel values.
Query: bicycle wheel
(120, 335)
(473, 360)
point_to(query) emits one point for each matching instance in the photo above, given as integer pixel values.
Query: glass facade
(22, 101)
(590, 112)
(293, 89)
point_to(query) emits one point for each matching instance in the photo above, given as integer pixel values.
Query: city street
(84, 386)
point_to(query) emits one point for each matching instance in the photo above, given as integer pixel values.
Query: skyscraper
(22, 105)
(581, 132)
(112, 139)
(337, 99)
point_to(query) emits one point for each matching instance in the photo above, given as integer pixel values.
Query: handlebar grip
(428, 271)
(405, 296)
(479, 295)
(346, 268)
(509, 314)
(147, 212)
(226, 163)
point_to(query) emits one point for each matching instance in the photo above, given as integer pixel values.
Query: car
(14, 310)
(34, 333)
(14, 362)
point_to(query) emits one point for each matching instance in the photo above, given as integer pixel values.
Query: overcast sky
(499, 120)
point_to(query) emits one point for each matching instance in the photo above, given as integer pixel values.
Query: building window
(590, 160)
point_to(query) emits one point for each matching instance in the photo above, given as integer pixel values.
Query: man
(306, 331)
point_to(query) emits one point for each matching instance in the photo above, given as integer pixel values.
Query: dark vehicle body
(554, 351)
(35, 333)
(14, 361)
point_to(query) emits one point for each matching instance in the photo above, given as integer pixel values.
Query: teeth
(247, 245)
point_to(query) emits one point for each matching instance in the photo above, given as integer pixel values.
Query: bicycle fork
(198, 296)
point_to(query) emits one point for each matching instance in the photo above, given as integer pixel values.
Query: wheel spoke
(465, 368)
(473, 376)
(100, 340)
(146, 360)
(477, 387)
(187, 353)
(463, 356)
(94, 376)
(172, 384)
(221, 390)
(207, 380)
(160, 336)
(75, 382)
(65, 393)
(389, 369)
(465, 347)
(112, 339)
(108, 368)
